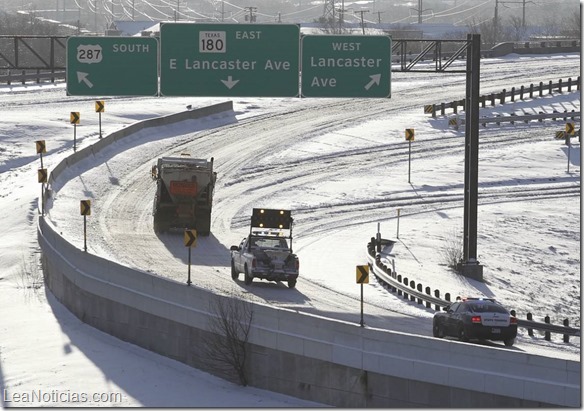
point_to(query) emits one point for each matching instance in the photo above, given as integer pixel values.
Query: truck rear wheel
(247, 279)
(234, 273)
(291, 283)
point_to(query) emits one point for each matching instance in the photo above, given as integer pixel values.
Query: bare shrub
(29, 277)
(226, 348)
(452, 248)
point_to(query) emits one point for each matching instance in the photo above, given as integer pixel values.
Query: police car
(476, 318)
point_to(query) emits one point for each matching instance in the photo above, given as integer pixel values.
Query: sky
(529, 222)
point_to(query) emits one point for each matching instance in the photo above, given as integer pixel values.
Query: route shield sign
(253, 60)
(112, 66)
(346, 66)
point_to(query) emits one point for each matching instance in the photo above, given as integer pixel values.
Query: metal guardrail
(522, 91)
(23, 76)
(416, 292)
(512, 118)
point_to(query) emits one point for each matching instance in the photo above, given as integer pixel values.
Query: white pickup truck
(267, 254)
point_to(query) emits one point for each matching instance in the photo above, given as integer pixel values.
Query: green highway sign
(252, 60)
(112, 66)
(346, 66)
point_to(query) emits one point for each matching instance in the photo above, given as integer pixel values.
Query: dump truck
(184, 193)
(266, 253)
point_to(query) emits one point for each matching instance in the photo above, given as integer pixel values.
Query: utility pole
(362, 23)
(341, 15)
(420, 10)
(329, 10)
(496, 22)
(379, 16)
(251, 17)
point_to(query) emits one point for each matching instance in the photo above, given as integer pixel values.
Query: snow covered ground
(529, 228)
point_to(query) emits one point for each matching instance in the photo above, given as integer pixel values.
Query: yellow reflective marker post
(42, 178)
(362, 278)
(74, 119)
(40, 149)
(409, 139)
(85, 210)
(190, 239)
(570, 129)
(99, 108)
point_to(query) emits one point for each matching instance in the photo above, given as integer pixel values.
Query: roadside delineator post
(42, 173)
(85, 206)
(409, 139)
(190, 239)
(362, 278)
(74, 119)
(99, 108)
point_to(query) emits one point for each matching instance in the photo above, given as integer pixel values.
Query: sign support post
(362, 278)
(42, 178)
(74, 119)
(397, 234)
(189, 270)
(409, 139)
(99, 108)
(190, 240)
(40, 149)
(85, 206)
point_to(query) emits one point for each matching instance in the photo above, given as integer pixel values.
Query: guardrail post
(454, 105)
(413, 287)
(530, 330)
(437, 295)
(492, 99)
(483, 100)
(566, 336)
(547, 335)
(433, 110)
(419, 288)
(560, 85)
(399, 280)
(541, 88)
(578, 84)
(569, 84)
(428, 292)
(512, 93)
(503, 96)
(442, 109)
(447, 297)
(550, 87)
(521, 90)
(531, 90)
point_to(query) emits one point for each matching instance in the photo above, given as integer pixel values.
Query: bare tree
(572, 26)
(452, 248)
(226, 348)
(516, 28)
